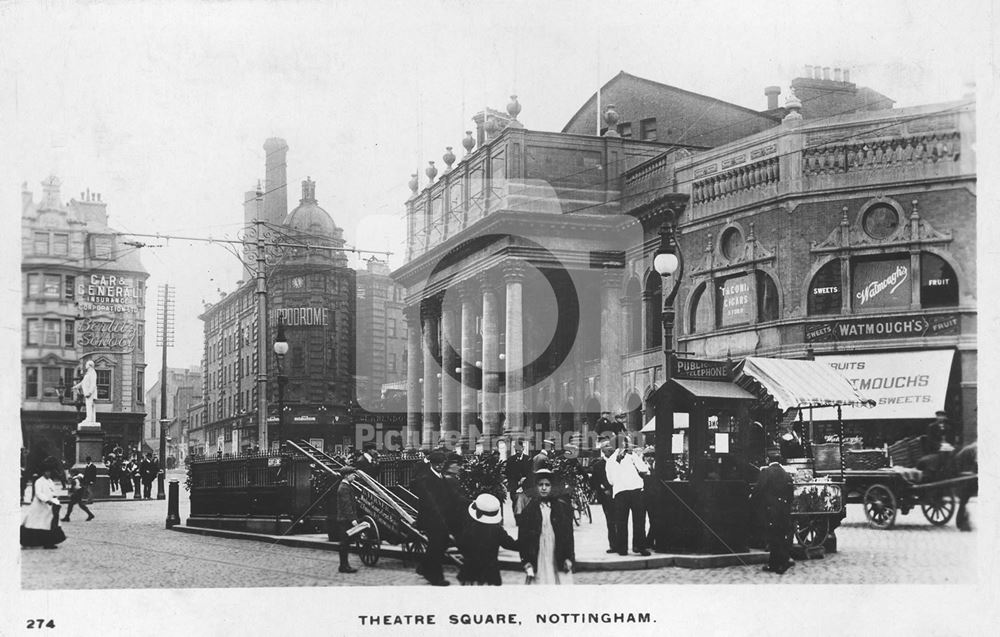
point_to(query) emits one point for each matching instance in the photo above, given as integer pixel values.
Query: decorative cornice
(912, 231)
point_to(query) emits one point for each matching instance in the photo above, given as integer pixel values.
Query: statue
(88, 386)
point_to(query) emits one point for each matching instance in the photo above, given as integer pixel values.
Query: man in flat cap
(345, 517)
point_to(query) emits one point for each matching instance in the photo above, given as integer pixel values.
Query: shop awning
(797, 384)
(905, 385)
(714, 389)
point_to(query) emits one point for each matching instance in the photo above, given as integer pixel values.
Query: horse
(966, 463)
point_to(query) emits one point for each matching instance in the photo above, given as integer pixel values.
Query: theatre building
(83, 300)
(311, 292)
(834, 226)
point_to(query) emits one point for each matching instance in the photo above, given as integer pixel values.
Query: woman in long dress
(38, 527)
(545, 536)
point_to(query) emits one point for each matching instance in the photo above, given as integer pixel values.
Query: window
(140, 386)
(102, 246)
(51, 376)
(633, 312)
(392, 363)
(938, 283)
(701, 319)
(653, 300)
(140, 330)
(880, 221)
(41, 243)
(60, 244)
(732, 301)
(52, 332)
(51, 288)
(104, 384)
(647, 129)
(625, 129)
(69, 292)
(69, 379)
(34, 332)
(34, 285)
(31, 382)
(767, 298)
(732, 243)
(824, 292)
(391, 328)
(68, 333)
(881, 283)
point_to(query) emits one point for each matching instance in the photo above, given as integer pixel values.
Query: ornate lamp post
(670, 266)
(280, 349)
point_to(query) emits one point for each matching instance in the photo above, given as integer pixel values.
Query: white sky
(164, 107)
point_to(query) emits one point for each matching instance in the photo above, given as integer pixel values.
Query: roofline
(620, 74)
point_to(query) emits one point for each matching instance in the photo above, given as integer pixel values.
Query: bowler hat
(348, 470)
(485, 508)
(436, 457)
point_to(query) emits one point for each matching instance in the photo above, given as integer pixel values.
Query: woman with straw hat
(480, 540)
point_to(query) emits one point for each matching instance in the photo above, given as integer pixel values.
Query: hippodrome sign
(301, 316)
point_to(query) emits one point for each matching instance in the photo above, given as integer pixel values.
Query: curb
(506, 563)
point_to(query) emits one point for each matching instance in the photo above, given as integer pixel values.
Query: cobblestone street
(132, 533)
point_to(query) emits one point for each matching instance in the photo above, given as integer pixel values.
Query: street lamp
(668, 263)
(280, 349)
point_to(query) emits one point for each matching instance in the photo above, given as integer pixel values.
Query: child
(480, 540)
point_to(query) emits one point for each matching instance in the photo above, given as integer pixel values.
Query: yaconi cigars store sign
(108, 293)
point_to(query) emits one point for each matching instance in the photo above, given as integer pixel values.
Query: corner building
(838, 227)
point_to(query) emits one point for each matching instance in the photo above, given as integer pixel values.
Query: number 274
(41, 623)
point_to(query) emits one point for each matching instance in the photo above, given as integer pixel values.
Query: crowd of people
(133, 473)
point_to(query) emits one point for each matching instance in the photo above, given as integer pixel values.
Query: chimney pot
(826, 72)
(838, 74)
(847, 75)
(809, 70)
(772, 93)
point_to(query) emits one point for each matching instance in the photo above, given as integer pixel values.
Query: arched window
(653, 303)
(825, 296)
(938, 283)
(767, 298)
(633, 316)
(700, 318)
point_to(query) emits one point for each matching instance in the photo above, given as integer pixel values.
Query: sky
(163, 108)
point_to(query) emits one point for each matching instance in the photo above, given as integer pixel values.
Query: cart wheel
(812, 531)
(938, 506)
(415, 547)
(880, 506)
(369, 543)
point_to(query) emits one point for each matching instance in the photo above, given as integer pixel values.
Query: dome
(308, 217)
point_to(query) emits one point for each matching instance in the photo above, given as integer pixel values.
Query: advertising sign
(878, 285)
(301, 316)
(907, 326)
(902, 384)
(105, 335)
(696, 369)
(108, 293)
(734, 301)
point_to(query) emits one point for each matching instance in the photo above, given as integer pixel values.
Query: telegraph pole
(165, 338)
(261, 327)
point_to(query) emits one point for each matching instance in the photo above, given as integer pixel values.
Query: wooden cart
(817, 509)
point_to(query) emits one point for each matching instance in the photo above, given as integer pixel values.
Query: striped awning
(795, 384)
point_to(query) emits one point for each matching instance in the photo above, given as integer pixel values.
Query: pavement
(128, 541)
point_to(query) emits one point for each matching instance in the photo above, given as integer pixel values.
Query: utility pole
(165, 339)
(261, 327)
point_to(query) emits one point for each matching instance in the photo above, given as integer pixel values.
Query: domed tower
(312, 293)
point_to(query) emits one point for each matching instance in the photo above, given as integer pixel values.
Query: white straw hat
(485, 509)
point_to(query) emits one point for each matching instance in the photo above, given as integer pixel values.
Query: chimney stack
(772, 93)
(838, 74)
(275, 180)
(847, 75)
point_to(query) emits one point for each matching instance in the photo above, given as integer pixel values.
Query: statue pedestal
(90, 442)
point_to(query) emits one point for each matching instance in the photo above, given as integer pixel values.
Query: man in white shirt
(625, 472)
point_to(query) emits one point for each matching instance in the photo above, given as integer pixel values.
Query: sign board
(721, 443)
(903, 384)
(317, 442)
(697, 369)
(105, 335)
(301, 316)
(906, 326)
(734, 300)
(103, 292)
(274, 462)
(879, 285)
(677, 443)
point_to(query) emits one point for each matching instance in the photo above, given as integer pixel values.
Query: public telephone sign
(697, 369)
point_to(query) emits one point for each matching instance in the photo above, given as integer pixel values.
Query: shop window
(31, 382)
(767, 298)
(881, 283)
(938, 283)
(825, 296)
(732, 301)
(701, 319)
(104, 384)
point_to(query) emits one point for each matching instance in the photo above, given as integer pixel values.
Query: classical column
(611, 340)
(450, 347)
(470, 298)
(491, 358)
(429, 314)
(414, 367)
(513, 273)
